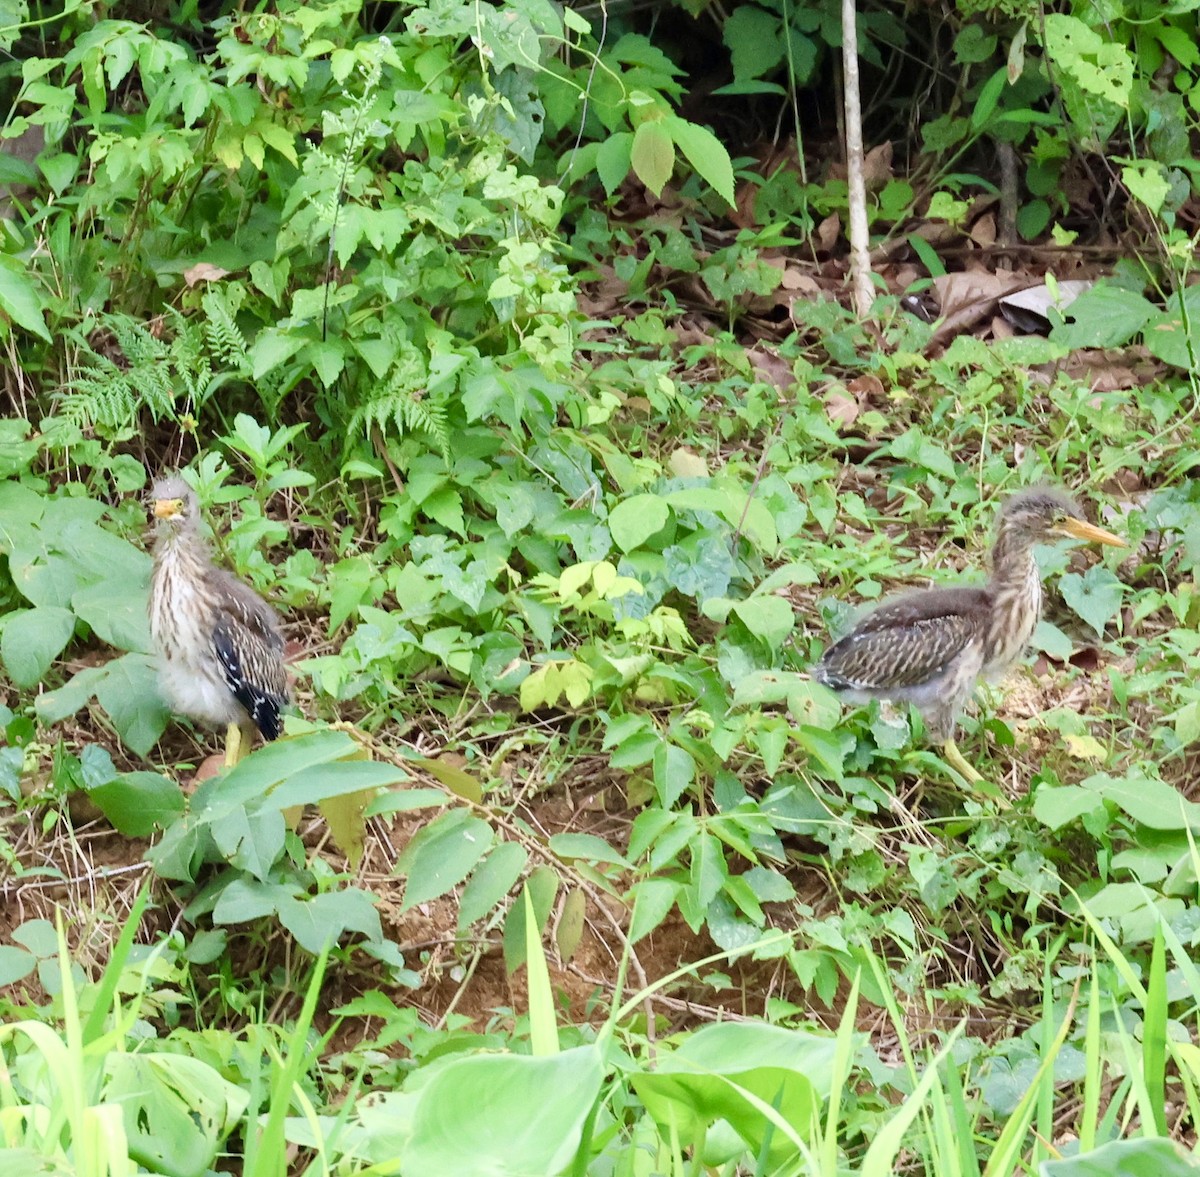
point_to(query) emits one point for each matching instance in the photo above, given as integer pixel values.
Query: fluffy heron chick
(219, 643)
(930, 647)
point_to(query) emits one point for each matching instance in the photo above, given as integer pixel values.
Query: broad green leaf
(139, 803)
(15, 965)
(441, 855)
(116, 615)
(260, 772)
(542, 888)
(1095, 596)
(613, 160)
(251, 842)
(768, 617)
(1057, 806)
(129, 692)
(742, 1073)
(674, 771)
(20, 299)
(474, 1114)
(126, 687)
(177, 1109)
(653, 901)
(319, 782)
(491, 881)
(705, 152)
(652, 155)
(587, 846)
(32, 639)
(1148, 800)
(1126, 1158)
(634, 520)
(322, 921)
(1104, 316)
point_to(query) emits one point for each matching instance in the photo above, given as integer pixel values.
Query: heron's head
(1042, 514)
(173, 504)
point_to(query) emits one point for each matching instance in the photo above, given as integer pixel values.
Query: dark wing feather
(905, 642)
(249, 644)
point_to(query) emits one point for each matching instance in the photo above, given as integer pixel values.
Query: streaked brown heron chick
(219, 643)
(930, 647)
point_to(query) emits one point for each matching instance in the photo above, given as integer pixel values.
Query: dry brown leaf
(828, 232)
(770, 368)
(983, 231)
(203, 272)
(686, 463)
(877, 165)
(842, 407)
(968, 297)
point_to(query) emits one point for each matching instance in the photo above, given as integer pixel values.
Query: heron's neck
(1016, 590)
(175, 543)
(1012, 560)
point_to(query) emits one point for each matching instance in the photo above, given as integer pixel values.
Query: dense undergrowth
(518, 396)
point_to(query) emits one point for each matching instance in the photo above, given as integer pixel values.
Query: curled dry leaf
(828, 232)
(203, 272)
(877, 166)
(983, 232)
(771, 368)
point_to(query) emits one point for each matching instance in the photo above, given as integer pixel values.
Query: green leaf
(32, 639)
(708, 870)
(1126, 1158)
(19, 298)
(1095, 596)
(634, 520)
(1148, 800)
(613, 160)
(139, 804)
(126, 687)
(704, 151)
(322, 921)
(542, 888)
(653, 900)
(1058, 806)
(1104, 316)
(737, 1072)
(586, 846)
(129, 692)
(15, 964)
(768, 617)
(474, 1114)
(320, 782)
(116, 614)
(441, 855)
(491, 881)
(653, 155)
(755, 39)
(674, 771)
(177, 1110)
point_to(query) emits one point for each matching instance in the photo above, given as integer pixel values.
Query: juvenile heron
(219, 643)
(930, 647)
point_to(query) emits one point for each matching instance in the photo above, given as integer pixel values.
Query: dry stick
(860, 260)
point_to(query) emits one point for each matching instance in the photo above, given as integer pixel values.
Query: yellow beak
(167, 508)
(1078, 529)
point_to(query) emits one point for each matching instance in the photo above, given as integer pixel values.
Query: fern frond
(401, 406)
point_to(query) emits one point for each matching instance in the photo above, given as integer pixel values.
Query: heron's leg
(239, 737)
(958, 762)
(233, 745)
